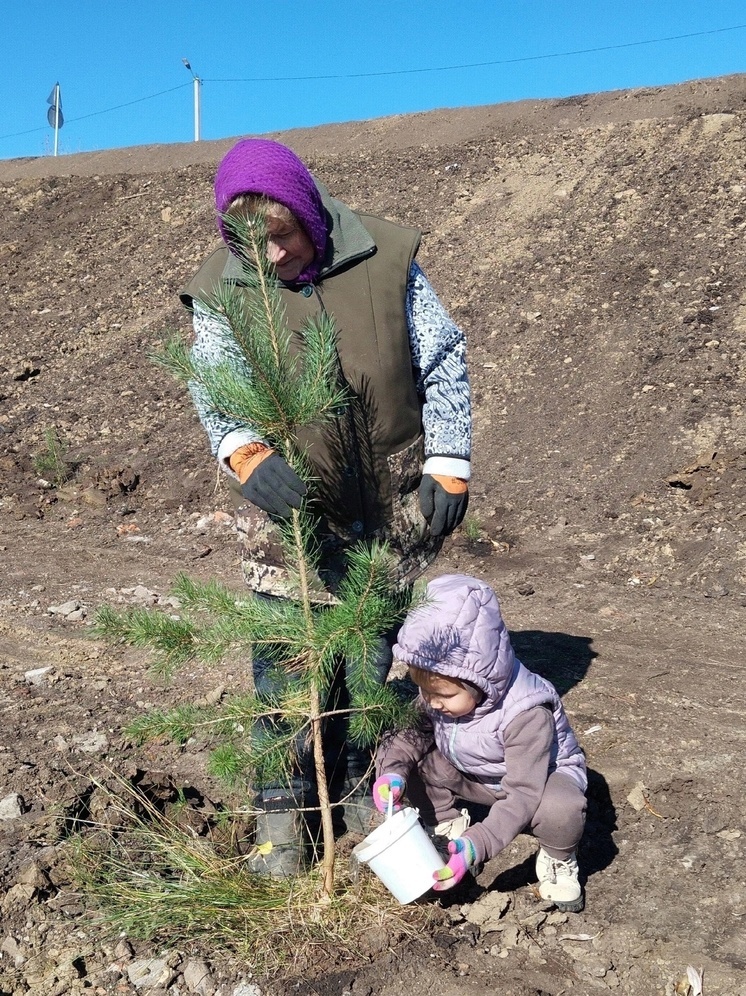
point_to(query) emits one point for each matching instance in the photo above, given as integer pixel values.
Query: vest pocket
(263, 562)
(408, 526)
(408, 533)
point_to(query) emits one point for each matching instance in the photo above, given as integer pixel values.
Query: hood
(459, 632)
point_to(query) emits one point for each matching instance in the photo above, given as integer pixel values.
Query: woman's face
(289, 249)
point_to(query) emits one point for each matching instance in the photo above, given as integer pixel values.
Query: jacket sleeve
(438, 348)
(528, 743)
(213, 344)
(399, 753)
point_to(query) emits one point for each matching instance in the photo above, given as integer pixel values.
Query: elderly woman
(395, 464)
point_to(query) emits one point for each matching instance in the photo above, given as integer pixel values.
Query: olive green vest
(355, 456)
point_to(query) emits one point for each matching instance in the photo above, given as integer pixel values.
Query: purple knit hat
(260, 166)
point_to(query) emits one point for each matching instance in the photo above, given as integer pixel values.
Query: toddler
(493, 733)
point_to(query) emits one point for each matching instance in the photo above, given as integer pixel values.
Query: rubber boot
(358, 810)
(281, 824)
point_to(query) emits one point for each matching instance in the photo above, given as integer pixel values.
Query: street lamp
(197, 85)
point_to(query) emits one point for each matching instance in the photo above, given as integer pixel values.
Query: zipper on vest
(452, 742)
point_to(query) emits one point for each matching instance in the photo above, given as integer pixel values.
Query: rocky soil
(593, 250)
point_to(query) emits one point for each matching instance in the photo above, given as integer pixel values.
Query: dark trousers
(346, 764)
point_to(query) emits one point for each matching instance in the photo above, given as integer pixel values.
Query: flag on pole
(54, 114)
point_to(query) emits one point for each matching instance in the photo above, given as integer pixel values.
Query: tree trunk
(327, 865)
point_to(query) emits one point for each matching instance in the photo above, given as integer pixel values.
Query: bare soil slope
(593, 250)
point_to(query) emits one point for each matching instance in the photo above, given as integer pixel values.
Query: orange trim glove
(246, 458)
(443, 502)
(267, 480)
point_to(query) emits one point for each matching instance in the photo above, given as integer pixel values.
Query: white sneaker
(558, 882)
(451, 829)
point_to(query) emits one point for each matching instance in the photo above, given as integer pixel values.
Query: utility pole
(56, 117)
(197, 100)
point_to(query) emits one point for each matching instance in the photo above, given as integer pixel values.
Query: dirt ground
(593, 250)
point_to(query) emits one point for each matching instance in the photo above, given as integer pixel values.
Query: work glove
(443, 501)
(384, 788)
(463, 856)
(267, 480)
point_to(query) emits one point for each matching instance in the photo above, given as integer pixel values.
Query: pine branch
(207, 596)
(171, 639)
(320, 385)
(249, 239)
(178, 724)
(383, 710)
(270, 624)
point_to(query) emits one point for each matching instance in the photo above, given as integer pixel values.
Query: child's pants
(435, 785)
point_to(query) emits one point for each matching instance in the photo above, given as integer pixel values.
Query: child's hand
(384, 788)
(463, 856)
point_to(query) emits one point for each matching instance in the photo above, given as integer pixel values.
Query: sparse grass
(472, 529)
(157, 881)
(51, 462)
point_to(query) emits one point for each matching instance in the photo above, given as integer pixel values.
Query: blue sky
(278, 64)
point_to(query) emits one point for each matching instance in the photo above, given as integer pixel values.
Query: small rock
(510, 935)
(729, 834)
(215, 695)
(32, 874)
(247, 989)
(197, 977)
(18, 895)
(37, 675)
(526, 588)
(64, 608)
(91, 743)
(143, 596)
(147, 973)
(124, 950)
(11, 807)
(12, 949)
(488, 909)
(636, 797)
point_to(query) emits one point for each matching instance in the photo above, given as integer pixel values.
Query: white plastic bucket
(402, 855)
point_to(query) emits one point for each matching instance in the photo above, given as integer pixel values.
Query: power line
(129, 103)
(476, 65)
(106, 110)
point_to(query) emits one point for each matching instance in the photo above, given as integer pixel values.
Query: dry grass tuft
(154, 880)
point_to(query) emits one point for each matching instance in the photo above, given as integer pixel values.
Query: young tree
(287, 389)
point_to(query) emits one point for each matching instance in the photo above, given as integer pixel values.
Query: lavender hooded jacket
(459, 632)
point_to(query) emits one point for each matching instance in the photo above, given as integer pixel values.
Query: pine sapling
(278, 390)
